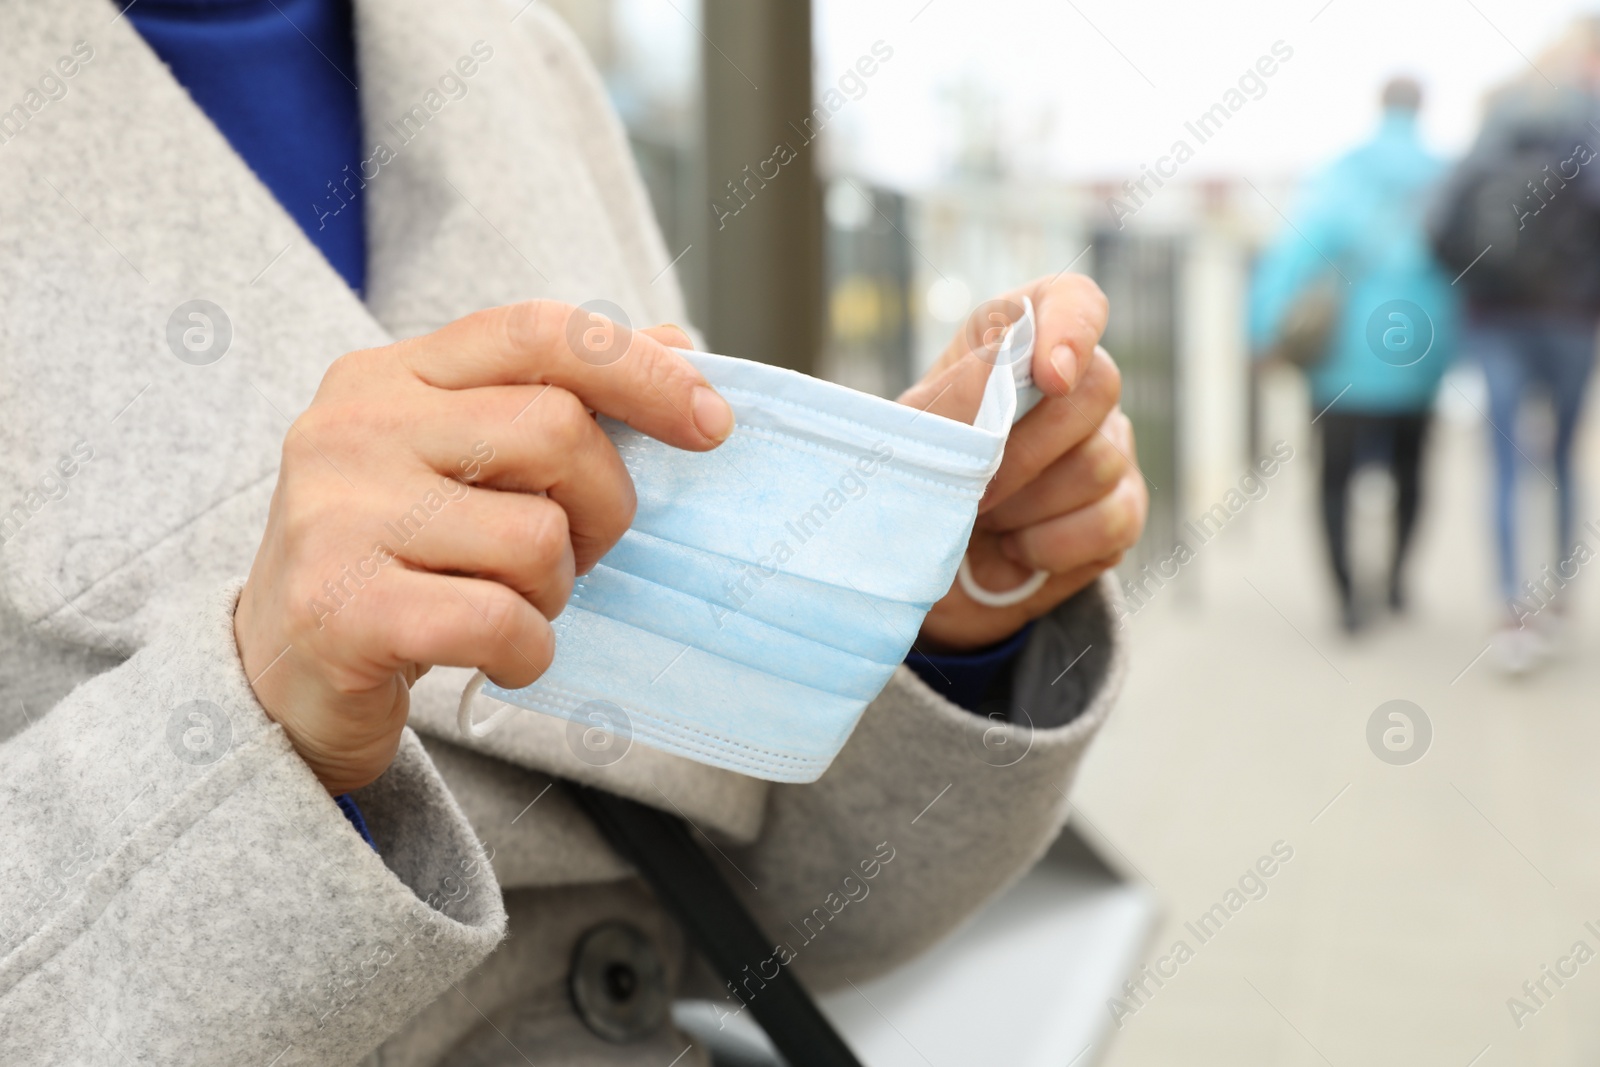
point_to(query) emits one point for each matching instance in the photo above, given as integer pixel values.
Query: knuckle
(350, 367)
(1125, 515)
(1087, 300)
(528, 323)
(1106, 463)
(565, 423)
(1053, 547)
(292, 454)
(628, 500)
(299, 443)
(1106, 381)
(1087, 334)
(542, 533)
(508, 620)
(503, 615)
(1096, 298)
(328, 431)
(341, 370)
(655, 363)
(1088, 295)
(302, 518)
(318, 418)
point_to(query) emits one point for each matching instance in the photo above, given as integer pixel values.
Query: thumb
(670, 334)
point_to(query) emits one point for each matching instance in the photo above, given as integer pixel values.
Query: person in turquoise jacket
(1357, 244)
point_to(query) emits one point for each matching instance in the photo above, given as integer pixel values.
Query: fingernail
(1065, 361)
(680, 329)
(712, 415)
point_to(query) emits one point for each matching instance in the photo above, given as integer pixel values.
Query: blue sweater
(278, 78)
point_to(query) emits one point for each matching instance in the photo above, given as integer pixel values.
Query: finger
(537, 439)
(1054, 427)
(627, 374)
(1086, 473)
(994, 572)
(447, 621)
(954, 392)
(671, 334)
(1110, 525)
(516, 539)
(1071, 314)
(954, 387)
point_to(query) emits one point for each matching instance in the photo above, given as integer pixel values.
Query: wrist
(346, 739)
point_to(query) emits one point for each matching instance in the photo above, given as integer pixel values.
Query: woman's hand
(434, 504)
(1069, 498)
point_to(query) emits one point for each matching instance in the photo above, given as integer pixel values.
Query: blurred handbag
(1306, 333)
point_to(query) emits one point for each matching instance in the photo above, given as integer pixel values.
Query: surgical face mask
(768, 589)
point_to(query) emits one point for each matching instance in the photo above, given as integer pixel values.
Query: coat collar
(128, 205)
(142, 479)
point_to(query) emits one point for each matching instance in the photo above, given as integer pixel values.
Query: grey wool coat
(175, 885)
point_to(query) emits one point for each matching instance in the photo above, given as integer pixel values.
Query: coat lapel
(124, 206)
(129, 207)
(509, 183)
(135, 472)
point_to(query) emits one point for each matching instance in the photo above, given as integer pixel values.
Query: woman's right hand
(434, 504)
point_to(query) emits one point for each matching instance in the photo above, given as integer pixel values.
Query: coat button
(618, 983)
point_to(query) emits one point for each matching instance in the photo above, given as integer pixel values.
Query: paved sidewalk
(1419, 898)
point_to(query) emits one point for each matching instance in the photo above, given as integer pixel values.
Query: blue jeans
(1518, 351)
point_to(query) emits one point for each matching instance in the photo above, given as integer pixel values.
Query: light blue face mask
(768, 589)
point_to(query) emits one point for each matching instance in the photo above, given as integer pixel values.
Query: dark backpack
(1518, 222)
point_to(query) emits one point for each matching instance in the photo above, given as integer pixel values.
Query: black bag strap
(659, 845)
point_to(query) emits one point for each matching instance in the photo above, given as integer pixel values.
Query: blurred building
(900, 270)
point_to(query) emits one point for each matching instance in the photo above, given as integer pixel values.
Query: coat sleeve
(181, 889)
(931, 809)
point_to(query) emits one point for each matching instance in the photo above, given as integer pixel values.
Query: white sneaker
(1555, 631)
(1517, 649)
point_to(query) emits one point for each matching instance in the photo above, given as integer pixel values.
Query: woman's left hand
(1069, 498)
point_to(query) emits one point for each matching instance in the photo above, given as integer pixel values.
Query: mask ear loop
(464, 721)
(969, 585)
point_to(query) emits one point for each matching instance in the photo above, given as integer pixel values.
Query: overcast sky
(1094, 88)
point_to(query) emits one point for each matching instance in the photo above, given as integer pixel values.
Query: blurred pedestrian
(1520, 220)
(1351, 293)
